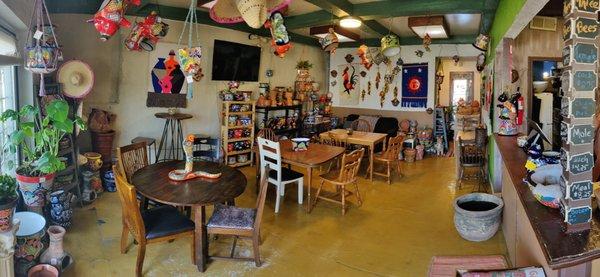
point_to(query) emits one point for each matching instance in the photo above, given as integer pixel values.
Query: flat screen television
(235, 62)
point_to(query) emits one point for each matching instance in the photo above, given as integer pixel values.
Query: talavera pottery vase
(94, 160)
(7, 210)
(35, 190)
(61, 211)
(477, 216)
(88, 195)
(109, 181)
(55, 254)
(29, 241)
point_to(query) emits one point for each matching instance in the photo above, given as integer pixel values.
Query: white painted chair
(270, 154)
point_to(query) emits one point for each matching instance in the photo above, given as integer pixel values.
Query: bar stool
(172, 137)
(149, 142)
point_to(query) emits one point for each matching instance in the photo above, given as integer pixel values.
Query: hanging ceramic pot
(330, 42)
(482, 42)
(61, 211)
(55, 255)
(390, 45)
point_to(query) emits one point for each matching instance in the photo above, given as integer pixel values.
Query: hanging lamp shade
(482, 42)
(390, 45)
(254, 12)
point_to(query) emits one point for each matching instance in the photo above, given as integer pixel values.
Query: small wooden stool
(149, 142)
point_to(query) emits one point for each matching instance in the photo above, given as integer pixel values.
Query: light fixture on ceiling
(435, 26)
(350, 22)
(342, 34)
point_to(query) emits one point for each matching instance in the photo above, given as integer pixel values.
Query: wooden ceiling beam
(311, 19)
(391, 8)
(487, 16)
(374, 42)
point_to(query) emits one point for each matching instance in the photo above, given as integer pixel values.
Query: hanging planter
(190, 56)
(41, 57)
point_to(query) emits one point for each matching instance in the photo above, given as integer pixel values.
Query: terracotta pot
(34, 190)
(43, 270)
(94, 160)
(409, 155)
(55, 254)
(7, 211)
(29, 241)
(289, 98)
(103, 144)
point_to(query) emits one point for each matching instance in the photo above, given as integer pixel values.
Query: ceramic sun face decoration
(110, 17)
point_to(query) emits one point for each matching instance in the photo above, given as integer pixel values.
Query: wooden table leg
(371, 150)
(201, 238)
(308, 187)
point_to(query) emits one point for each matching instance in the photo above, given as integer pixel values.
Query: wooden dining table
(366, 139)
(153, 183)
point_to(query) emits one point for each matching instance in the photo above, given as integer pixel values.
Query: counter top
(560, 249)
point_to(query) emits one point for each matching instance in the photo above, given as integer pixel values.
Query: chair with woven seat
(270, 155)
(340, 179)
(240, 222)
(472, 156)
(389, 156)
(159, 224)
(361, 125)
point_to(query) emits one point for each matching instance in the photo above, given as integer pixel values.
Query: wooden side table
(172, 137)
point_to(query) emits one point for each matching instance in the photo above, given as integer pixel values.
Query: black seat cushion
(286, 174)
(232, 217)
(386, 125)
(165, 220)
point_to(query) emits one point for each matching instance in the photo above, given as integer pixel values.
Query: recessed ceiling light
(350, 22)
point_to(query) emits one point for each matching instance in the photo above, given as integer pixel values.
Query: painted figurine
(365, 56)
(508, 114)
(280, 40)
(111, 16)
(188, 172)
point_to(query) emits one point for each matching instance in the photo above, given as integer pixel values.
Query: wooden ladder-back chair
(270, 154)
(158, 224)
(340, 179)
(389, 156)
(472, 156)
(131, 158)
(240, 222)
(361, 125)
(335, 139)
(266, 133)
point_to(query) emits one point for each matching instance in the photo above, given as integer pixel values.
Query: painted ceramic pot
(29, 241)
(96, 183)
(94, 160)
(390, 45)
(242, 158)
(231, 160)
(88, 195)
(61, 212)
(300, 144)
(34, 191)
(410, 155)
(55, 255)
(330, 42)
(45, 270)
(109, 181)
(477, 216)
(7, 211)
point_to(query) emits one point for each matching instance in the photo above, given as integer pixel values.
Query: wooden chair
(131, 158)
(266, 133)
(335, 139)
(346, 176)
(472, 156)
(389, 156)
(270, 155)
(361, 125)
(240, 222)
(159, 224)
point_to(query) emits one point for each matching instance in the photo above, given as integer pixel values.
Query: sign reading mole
(582, 134)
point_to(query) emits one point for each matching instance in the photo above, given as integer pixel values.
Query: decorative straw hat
(76, 79)
(254, 12)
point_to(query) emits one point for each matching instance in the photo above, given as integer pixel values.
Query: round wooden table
(153, 182)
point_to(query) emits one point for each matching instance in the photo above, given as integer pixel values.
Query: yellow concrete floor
(394, 233)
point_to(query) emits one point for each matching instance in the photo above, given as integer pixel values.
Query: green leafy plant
(304, 65)
(8, 189)
(39, 140)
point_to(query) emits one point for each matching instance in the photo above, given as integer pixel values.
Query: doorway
(544, 98)
(461, 87)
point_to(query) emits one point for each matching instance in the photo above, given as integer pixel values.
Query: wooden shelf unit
(225, 128)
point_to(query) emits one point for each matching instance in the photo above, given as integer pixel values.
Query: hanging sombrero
(76, 79)
(254, 12)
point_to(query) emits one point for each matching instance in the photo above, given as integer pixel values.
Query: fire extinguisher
(520, 107)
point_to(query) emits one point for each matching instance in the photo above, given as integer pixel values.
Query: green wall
(505, 15)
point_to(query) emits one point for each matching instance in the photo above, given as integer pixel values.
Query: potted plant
(303, 67)
(8, 201)
(38, 141)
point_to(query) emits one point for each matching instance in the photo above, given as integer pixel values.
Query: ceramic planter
(29, 241)
(7, 211)
(477, 216)
(109, 181)
(55, 254)
(61, 211)
(94, 160)
(34, 190)
(88, 194)
(102, 143)
(45, 270)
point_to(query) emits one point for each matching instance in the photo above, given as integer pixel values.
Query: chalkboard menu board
(590, 6)
(580, 190)
(581, 163)
(584, 80)
(567, 29)
(586, 28)
(581, 134)
(579, 215)
(583, 107)
(585, 53)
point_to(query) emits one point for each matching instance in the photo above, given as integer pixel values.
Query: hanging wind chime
(189, 57)
(42, 50)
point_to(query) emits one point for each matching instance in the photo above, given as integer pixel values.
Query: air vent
(543, 23)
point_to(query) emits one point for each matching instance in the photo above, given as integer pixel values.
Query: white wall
(121, 75)
(408, 55)
(464, 65)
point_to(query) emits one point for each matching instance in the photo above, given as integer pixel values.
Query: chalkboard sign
(566, 54)
(581, 134)
(584, 80)
(581, 163)
(583, 107)
(579, 215)
(586, 28)
(567, 29)
(585, 53)
(580, 190)
(590, 6)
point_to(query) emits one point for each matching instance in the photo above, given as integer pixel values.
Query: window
(7, 89)
(461, 86)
